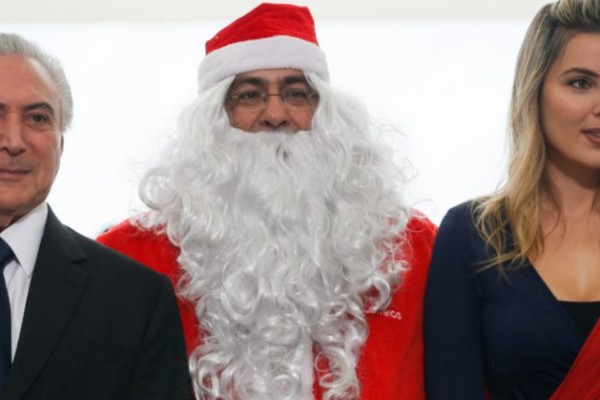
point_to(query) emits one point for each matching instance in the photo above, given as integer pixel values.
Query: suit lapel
(56, 285)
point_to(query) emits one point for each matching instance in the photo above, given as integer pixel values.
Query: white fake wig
(287, 240)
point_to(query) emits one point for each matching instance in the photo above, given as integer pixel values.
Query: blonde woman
(513, 294)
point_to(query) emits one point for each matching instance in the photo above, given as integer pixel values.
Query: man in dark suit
(77, 320)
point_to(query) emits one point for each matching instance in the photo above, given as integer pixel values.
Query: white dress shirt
(23, 237)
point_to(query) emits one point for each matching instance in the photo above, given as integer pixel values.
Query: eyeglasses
(255, 99)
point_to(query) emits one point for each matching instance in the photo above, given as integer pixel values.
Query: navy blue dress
(507, 334)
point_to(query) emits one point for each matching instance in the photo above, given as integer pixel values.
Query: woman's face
(570, 108)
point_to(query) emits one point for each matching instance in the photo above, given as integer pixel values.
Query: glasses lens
(250, 98)
(257, 98)
(297, 97)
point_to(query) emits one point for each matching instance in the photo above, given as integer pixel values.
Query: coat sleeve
(452, 323)
(157, 253)
(160, 370)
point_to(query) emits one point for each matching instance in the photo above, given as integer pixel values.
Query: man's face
(30, 139)
(271, 100)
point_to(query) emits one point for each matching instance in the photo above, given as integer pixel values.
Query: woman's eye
(580, 83)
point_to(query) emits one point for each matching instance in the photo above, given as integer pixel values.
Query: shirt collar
(24, 236)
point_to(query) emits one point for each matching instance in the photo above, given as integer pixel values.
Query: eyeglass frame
(233, 100)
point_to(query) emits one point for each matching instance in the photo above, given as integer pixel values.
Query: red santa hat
(269, 36)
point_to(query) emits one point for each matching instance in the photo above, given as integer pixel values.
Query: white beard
(267, 278)
(278, 183)
(281, 237)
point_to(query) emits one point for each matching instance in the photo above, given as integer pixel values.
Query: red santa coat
(391, 361)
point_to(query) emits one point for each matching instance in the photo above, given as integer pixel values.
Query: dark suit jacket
(97, 325)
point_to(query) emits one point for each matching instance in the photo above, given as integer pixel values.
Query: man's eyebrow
(250, 80)
(42, 105)
(253, 80)
(582, 71)
(290, 80)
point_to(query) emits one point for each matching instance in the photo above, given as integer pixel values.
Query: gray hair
(13, 44)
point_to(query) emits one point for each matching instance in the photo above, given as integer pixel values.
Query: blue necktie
(6, 255)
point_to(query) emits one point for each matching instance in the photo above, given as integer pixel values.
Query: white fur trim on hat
(268, 53)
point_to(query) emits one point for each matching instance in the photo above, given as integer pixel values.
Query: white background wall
(194, 10)
(443, 81)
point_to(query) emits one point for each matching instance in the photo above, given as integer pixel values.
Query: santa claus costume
(301, 271)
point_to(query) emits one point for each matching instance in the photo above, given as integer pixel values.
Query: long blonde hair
(514, 207)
